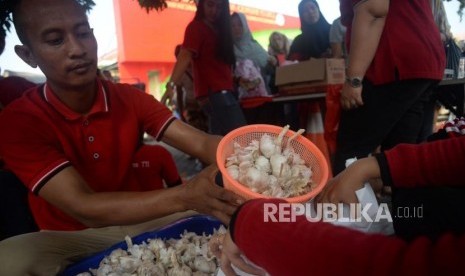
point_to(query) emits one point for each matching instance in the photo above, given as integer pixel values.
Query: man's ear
(26, 55)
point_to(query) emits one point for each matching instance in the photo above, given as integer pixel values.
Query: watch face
(354, 82)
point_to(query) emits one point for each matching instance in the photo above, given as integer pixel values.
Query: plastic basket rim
(276, 130)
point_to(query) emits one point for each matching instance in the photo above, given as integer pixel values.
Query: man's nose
(76, 48)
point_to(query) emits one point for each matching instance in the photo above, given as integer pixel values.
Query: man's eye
(55, 41)
(84, 34)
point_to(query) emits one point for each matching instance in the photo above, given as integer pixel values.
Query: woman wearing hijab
(246, 47)
(313, 42)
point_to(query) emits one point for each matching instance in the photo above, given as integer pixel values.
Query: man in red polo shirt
(72, 142)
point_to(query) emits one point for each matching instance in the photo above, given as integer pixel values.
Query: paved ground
(187, 166)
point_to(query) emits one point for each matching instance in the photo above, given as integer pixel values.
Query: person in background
(246, 47)
(11, 88)
(313, 42)
(15, 216)
(278, 47)
(432, 106)
(393, 66)
(208, 46)
(186, 104)
(75, 141)
(440, 18)
(337, 34)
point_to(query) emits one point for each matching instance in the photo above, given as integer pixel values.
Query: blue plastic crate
(198, 224)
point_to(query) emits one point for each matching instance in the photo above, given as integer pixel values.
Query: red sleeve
(304, 248)
(31, 151)
(438, 163)
(12, 88)
(193, 37)
(169, 172)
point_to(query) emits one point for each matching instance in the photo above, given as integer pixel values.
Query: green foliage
(263, 36)
(157, 5)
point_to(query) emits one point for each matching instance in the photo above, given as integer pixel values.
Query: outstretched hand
(342, 187)
(204, 196)
(229, 254)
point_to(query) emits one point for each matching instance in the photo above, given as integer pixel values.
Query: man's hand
(204, 196)
(351, 98)
(167, 98)
(228, 253)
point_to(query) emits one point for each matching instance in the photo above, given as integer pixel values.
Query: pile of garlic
(189, 255)
(268, 168)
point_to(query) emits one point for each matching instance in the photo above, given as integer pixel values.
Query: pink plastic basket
(301, 145)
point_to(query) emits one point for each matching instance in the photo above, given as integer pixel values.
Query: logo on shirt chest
(141, 164)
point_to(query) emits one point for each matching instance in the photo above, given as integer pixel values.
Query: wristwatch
(354, 82)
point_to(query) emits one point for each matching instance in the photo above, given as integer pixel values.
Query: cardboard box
(310, 76)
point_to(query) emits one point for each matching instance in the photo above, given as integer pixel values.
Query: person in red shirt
(319, 248)
(208, 46)
(13, 87)
(395, 60)
(73, 140)
(15, 216)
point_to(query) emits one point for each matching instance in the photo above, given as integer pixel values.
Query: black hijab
(314, 40)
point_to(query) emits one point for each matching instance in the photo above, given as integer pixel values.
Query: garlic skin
(267, 146)
(263, 164)
(255, 179)
(189, 255)
(233, 171)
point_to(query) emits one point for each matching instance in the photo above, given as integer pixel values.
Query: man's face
(60, 41)
(212, 10)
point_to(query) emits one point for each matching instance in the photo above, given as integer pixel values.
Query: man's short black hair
(9, 13)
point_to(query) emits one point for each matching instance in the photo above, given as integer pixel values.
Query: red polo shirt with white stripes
(41, 136)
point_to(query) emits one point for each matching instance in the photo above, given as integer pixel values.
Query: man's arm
(184, 58)
(367, 27)
(433, 164)
(192, 141)
(70, 193)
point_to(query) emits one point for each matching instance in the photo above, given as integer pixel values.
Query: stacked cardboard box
(310, 76)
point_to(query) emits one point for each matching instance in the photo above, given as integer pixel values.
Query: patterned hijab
(248, 48)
